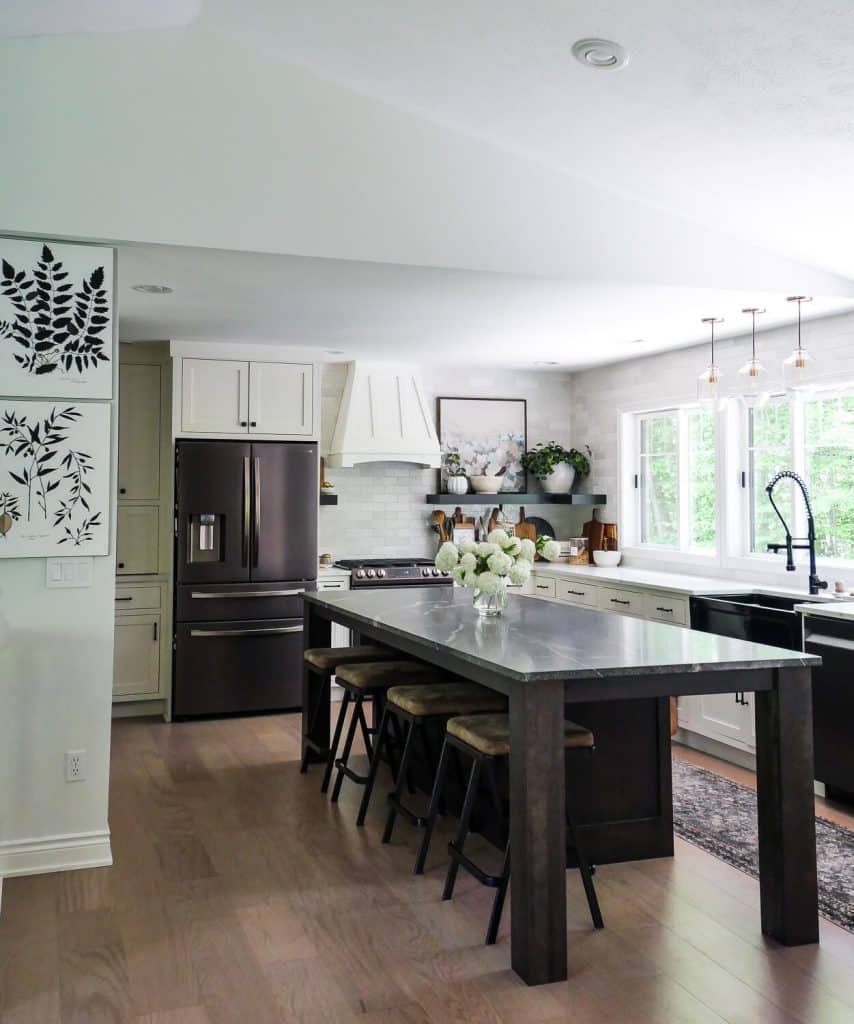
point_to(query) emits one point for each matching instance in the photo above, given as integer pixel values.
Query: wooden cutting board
(594, 531)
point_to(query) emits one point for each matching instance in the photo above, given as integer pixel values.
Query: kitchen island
(543, 657)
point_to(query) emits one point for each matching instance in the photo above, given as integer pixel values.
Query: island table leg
(317, 632)
(537, 833)
(786, 809)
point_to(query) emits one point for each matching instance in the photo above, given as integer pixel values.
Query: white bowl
(486, 484)
(607, 559)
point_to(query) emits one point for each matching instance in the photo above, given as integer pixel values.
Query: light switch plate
(68, 572)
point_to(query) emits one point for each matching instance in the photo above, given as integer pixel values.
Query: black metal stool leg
(366, 732)
(375, 764)
(498, 902)
(402, 772)
(586, 874)
(336, 739)
(433, 810)
(348, 744)
(462, 829)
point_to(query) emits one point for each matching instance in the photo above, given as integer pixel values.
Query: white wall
(56, 677)
(600, 395)
(381, 509)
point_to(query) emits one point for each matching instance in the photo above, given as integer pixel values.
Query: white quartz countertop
(680, 583)
(837, 610)
(328, 571)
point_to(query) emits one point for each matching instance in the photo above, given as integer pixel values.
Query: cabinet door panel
(136, 658)
(281, 398)
(214, 396)
(722, 717)
(136, 539)
(139, 432)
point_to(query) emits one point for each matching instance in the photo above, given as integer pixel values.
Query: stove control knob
(445, 572)
(380, 574)
(435, 572)
(360, 574)
(370, 574)
(425, 572)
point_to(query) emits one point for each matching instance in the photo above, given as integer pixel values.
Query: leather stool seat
(490, 734)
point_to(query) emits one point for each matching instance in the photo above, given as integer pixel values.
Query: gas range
(393, 572)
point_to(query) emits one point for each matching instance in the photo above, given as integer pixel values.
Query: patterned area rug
(719, 816)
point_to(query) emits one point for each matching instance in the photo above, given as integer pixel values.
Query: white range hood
(383, 418)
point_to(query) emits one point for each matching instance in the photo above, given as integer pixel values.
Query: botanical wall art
(488, 434)
(54, 478)
(56, 319)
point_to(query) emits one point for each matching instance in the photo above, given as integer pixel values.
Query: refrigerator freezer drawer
(212, 601)
(229, 666)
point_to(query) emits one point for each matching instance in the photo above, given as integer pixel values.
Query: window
(814, 436)
(676, 480)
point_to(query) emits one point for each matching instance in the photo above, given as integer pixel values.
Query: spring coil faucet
(815, 583)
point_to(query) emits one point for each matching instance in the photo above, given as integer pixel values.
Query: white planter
(458, 484)
(560, 480)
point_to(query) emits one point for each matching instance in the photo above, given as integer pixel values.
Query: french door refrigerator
(245, 552)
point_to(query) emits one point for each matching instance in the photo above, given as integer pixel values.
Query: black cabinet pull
(252, 423)
(243, 423)
(124, 598)
(121, 565)
(155, 632)
(123, 490)
(616, 600)
(660, 609)
(576, 593)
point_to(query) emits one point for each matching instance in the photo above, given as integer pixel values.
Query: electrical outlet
(75, 765)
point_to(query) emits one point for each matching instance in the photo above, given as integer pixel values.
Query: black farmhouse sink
(762, 618)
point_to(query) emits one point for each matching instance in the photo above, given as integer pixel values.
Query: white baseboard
(55, 853)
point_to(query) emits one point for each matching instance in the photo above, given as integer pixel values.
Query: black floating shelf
(328, 499)
(509, 498)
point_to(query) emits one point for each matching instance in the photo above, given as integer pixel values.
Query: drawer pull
(270, 631)
(577, 593)
(124, 598)
(616, 600)
(202, 594)
(543, 586)
(659, 608)
(332, 586)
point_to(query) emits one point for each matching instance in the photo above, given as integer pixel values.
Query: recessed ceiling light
(153, 289)
(601, 54)
(333, 351)
(546, 362)
(636, 341)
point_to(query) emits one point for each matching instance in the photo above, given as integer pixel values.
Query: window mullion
(682, 480)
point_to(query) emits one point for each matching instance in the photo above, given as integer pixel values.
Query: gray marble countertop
(540, 640)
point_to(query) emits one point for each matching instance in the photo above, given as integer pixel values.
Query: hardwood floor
(239, 894)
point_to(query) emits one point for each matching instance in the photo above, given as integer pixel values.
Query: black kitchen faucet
(815, 583)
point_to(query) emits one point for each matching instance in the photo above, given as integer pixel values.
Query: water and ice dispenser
(206, 535)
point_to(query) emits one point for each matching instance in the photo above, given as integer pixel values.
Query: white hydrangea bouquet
(487, 567)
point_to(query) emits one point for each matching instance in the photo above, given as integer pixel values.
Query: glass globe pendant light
(753, 377)
(709, 381)
(799, 368)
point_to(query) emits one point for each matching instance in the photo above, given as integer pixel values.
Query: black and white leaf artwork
(52, 484)
(59, 325)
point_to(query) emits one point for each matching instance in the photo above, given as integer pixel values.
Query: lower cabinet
(136, 659)
(726, 717)
(340, 634)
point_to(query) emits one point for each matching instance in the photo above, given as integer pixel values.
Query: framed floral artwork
(56, 319)
(488, 434)
(54, 478)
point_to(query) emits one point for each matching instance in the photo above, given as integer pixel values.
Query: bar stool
(318, 669)
(485, 738)
(416, 707)
(361, 681)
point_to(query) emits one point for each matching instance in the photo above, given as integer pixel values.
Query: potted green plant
(557, 467)
(456, 474)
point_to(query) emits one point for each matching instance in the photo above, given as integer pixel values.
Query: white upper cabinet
(231, 398)
(214, 396)
(280, 398)
(139, 431)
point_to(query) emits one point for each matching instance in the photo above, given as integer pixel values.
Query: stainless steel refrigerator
(245, 552)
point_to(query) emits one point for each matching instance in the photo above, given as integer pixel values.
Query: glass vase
(490, 604)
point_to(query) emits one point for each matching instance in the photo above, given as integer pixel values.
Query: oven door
(225, 667)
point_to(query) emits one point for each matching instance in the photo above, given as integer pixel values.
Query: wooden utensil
(525, 530)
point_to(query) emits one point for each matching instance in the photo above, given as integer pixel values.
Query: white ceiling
(59, 17)
(738, 115)
(385, 311)
(444, 177)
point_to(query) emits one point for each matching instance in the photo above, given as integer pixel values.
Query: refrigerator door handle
(269, 631)
(246, 514)
(199, 594)
(257, 509)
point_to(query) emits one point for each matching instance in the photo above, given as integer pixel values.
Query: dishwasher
(833, 702)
